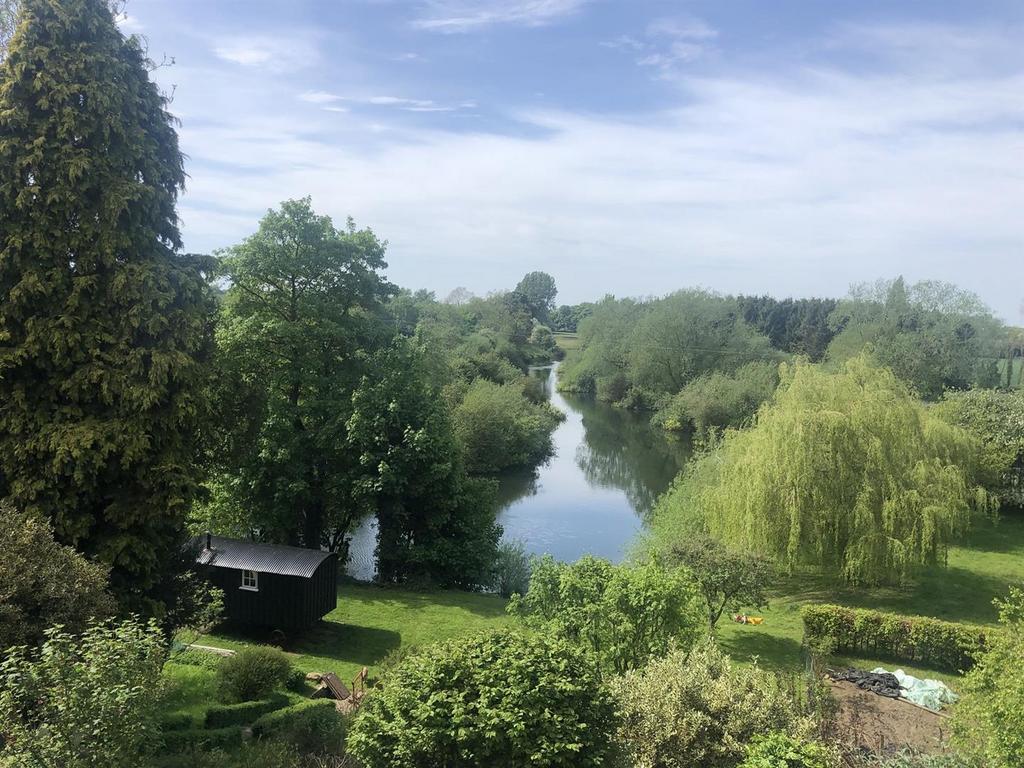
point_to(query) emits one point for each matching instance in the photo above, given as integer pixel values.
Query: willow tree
(104, 327)
(846, 471)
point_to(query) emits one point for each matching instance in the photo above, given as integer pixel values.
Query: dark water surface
(608, 468)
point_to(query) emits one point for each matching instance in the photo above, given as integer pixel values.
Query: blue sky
(625, 147)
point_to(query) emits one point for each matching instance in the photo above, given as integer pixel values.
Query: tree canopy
(847, 471)
(106, 329)
(301, 317)
(540, 291)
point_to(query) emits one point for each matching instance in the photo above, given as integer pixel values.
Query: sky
(631, 147)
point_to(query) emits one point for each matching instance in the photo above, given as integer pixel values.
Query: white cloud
(319, 97)
(455, 16)
(771, 181)
(668, 43)
(279, 53)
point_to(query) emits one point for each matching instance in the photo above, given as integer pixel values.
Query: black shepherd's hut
(270, 585)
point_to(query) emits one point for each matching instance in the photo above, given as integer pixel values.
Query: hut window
(250, 581)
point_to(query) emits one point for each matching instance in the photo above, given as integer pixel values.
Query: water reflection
(608, 469)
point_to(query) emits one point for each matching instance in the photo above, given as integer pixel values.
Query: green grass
(567, 341)
(370, 622)
(980, 568)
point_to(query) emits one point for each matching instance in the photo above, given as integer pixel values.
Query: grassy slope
(567, 341)
(980, 569)
(370, 622)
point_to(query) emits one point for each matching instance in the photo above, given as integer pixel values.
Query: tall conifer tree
(103, 326)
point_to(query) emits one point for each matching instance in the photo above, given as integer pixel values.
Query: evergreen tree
(103, 327)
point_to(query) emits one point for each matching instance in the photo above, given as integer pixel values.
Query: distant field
(567, 341)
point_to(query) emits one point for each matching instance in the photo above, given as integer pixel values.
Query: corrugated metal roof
(264, 558)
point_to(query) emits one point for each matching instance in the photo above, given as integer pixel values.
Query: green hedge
(312, 725)
(913, 639)
(176, 721)
(245, 713)
(208, 738)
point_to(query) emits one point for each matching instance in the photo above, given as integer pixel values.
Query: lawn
(980, 569)
(371, 622)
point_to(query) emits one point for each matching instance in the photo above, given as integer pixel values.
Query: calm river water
(608, 468)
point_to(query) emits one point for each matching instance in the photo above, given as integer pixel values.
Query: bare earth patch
(882, 725)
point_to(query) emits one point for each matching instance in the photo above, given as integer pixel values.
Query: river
(608, 467)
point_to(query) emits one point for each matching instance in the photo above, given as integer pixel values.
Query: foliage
(435, 524)
(716, 400)
(539, 290)
(501, 700)
(640, 353)
(989, 720)
(697, 708)
(304, 306)
(242, 713)
(725, 578)
(845, 471)
(624, 614)
(566, 318)
(228, 737)
(310, 726)
(8, 22)
(253, 673)
(997, 419)
(933, 335)
(780, 750)
(499, 428)
(914, 639)
(43, 583)
(105, 327)
(912, 759)
(797, 326)
(512, 569)
(82, 701)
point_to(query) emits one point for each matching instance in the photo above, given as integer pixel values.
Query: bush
(696, 709)
(624, 614)
(912, 639)
(910, 759)
(718, 400)
(779, 750)
(501, 700)
(220, 715)
(500, 428)
(257, 754)
(310, 726)
(253, 673)
(989, 720)
(176, 721)
(207, 738)
(512, 569)
(82, 696)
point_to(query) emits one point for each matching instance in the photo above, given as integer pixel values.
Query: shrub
(500, 428)
(625, 614)
(176, 721)
(913, 639)
(82, 701)
(910, 759)
(512, 569)
(717, 400)
(253, 673)
(690, 709)
(780, 750)
(310, 726)
(220, 715)
(255, 754)
(989, 720)
(500, 700)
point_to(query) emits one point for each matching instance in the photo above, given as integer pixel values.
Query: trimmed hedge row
(311, 726)
(208, 738)
(284, 719)
(913, 639)
(220, 715)
(176, 721)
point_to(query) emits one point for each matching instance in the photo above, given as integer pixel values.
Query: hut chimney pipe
(209, 540)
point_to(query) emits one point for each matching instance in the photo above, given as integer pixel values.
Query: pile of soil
(884, 725)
